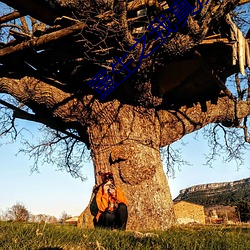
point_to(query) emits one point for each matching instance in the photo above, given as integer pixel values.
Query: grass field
(15, 235)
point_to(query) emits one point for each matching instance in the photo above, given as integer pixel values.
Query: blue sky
(48, 192)
(52, 192)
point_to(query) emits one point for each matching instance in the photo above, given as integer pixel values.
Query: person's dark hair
(107, 176)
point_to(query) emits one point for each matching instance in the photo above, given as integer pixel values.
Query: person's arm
(102, 199)
(120, 196)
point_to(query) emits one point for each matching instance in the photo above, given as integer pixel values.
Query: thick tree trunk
(141, 177)
(130, 149)
(150, 202)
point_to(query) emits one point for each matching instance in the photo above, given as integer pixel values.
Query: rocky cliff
(225, 193)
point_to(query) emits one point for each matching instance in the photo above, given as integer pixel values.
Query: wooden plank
(247, 54)
(213, 36)
(241, 51)
(133, 5)
(9, 17)
(243, 2)
(217, 40)
(37, 9)
(44, 39)
(19, 35)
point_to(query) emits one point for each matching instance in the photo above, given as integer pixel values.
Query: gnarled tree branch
(176, 124)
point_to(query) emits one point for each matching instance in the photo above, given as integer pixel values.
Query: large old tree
(51, 49)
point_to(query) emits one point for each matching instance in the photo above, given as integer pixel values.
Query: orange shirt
(104, 201)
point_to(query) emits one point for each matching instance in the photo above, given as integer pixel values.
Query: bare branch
(65, 152)
(7, 122)
(18, 113)
(237, 81)
(19, 35)
(241, 2)
(173, 159)
(228, 144)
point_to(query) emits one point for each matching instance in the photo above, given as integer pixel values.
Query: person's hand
(112, 191)
(106, 188)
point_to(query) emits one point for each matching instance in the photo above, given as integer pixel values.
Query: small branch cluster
(7, 122)
(225, 141)
(58, 149)
(173, 159)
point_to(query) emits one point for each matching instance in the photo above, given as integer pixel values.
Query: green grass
(25, 236)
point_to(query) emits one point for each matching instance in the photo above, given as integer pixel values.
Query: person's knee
(108, 216)
(106, 219)
(122, 207)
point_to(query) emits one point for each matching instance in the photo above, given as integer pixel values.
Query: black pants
(116, 219)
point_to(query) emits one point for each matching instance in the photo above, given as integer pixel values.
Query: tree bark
(177, 123)
(129, 147)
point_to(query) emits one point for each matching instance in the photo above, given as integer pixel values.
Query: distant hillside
(225, 193)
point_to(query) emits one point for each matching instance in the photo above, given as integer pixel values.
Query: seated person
(112, 204)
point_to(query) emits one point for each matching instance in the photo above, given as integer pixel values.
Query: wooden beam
(217, 40)
(133, 5)
(44, 39)
(213, 36)
(40, 10)
(9, 17)
(243, 2)
(19, 35)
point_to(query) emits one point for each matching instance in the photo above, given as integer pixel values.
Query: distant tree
(243, 209)
(4, 215)
(64, 217)
(32, 218)
(40, 218)
(1, 215)
(18, 212)
(52, 219)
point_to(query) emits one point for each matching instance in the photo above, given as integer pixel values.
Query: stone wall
(186, 212)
